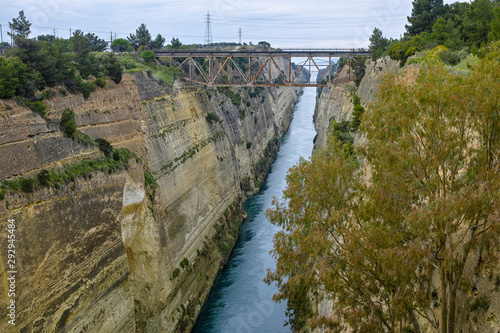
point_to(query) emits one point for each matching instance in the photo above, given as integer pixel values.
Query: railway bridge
(245, 68)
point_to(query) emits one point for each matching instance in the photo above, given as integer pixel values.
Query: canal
(240, 302)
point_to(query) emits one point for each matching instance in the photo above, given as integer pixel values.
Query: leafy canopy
(432, 201)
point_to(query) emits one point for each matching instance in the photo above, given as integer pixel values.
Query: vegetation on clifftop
(460, 26)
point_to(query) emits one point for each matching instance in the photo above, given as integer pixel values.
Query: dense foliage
(433, 199)
(457, 26)
(33, 65)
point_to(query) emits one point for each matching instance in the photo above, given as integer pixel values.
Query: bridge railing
(267, 52)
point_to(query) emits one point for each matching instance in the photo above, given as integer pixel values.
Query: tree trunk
(451, 312)
(476, 268)
(414, 321)
(444, 308)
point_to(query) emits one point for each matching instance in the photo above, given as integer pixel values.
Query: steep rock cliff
(136, 249)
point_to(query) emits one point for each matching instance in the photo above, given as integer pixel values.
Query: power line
(208, 30)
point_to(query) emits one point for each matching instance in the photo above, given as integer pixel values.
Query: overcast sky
(291, 23)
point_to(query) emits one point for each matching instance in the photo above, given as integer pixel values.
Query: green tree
(86, 61)
(477, 22)
(4, 46)
(45, 38)
(424, 153)
(447, 33)
(148, 56)
(265, 44)
(378, 44)
(403, 50)
(142, 37)
(423, 16)
(12, 76)
(68, 123)
(158, 42)
(112, 67)
(495, 25)
(121, 45)
(330, 249)
(175, 43)
(98, 44)
(375, 247)
(20, 25)
(105, 147)
(358, 67)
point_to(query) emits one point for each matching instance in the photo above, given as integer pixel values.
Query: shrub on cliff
(112, 67)
(37, 106)
(68, 123)
(105, 147)
(27, 184)
(212, 117)
(100, 82)
(43, 177)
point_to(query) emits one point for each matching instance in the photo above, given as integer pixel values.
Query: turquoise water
(240, 302)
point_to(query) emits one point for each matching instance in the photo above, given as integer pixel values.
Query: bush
(37, 106)
(449, 58)
(86, 88)
(113, 67)
(71, 85)
(104, 146)
(27, 184)
(2, 195)
(173, 71)
(128, 64)
(150, 184)
(175, 273)
(212, 117)
(68, 123)
(48, 94)
(100, 83)
(148, 56)
(43, 178)
(249, 145)
(184, 262)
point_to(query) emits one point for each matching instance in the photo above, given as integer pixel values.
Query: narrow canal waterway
(240, 302)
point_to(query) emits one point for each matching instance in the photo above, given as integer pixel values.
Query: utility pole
(1, 33)
(111, 37)
(239, 34)
(208, 30)
(54, 32)
(69, 32)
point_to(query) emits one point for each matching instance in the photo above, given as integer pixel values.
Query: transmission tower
(208, 30)
(239, 34)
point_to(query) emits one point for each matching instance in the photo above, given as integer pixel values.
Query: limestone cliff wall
(105, 253)
(477, 311)
(336, 103)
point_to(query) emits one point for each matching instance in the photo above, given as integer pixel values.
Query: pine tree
(423, 16)
(20, 25)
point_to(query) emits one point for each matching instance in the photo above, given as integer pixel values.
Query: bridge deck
(295, 53)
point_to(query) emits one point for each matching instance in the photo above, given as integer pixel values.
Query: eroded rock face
(108, 253)
(336, 103)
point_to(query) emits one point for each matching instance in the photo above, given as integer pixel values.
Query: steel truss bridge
(247, 68)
